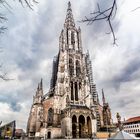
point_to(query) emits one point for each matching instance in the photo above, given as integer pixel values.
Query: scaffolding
(54, 72)
(90, 76)
(93, 91)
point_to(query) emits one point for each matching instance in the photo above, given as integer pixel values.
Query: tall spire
(103, 97)
(69, 21)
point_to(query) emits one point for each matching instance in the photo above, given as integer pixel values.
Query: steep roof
(134, 119)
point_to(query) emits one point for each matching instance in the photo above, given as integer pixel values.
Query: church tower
(107, 118)
(72, 83)
(70, 108)
(35, 120)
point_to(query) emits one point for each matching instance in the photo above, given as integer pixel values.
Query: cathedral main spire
(70, 37)
(69, 21)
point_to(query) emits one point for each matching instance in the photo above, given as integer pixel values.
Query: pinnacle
(103, 96)
(69, 6)
(69, 17)
(41, 84)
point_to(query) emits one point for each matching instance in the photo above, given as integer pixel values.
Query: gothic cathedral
(71, 108)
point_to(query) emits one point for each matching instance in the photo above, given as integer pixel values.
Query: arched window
(74, 126)
(78, 70)
(89, 126)
(67, 37)
(71, 67)
(72, 97)
(79, 85)
(76, 92)
(72, 38)
(50, 116)
(81, 126)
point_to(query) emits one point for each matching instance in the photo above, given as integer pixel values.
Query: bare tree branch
(107, 15)
(2, 29)
(8, 7)
(135, 9)
(29, 3)
(4, 77)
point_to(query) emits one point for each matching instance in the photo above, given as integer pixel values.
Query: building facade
(71, 108)
(132, 126)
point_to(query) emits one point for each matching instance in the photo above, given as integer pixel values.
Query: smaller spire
(79, 28)
(103, 96)
(37, 91)
(88, 53)
(41, 84)
(38, 88)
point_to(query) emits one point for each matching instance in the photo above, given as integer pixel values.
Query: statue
(119, 121)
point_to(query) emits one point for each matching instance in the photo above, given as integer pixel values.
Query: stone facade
(71, 107)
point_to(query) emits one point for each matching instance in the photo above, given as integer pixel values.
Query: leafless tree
(135, 9)
(28, 3)
(3, 75)
(106, 15)
(6, 4)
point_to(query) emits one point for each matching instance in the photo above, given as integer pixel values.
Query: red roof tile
(134, 119)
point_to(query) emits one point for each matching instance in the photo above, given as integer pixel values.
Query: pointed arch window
(71, 67)
(67, 37)
(72, 96)
(50, 116)
(72, 38)
(76, 91)
(78, 70)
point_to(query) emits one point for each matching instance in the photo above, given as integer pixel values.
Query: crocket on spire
(69, 21)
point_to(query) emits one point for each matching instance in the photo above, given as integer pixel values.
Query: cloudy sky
(31, 42)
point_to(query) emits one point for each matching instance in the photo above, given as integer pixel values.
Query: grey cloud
(126, 74)
(128, 71)
(32, 40)
(12, 101)
(124, 102)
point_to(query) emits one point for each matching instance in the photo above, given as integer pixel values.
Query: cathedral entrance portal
(81, 126)
(74, 122)
(89, 126)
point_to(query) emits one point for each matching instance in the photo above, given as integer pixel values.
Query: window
(71, 67)
(50, 116)
(72, 97)
(78, 70)
(72, 38)
(76, 92)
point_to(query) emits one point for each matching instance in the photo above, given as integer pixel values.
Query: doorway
(49, 135)
(81, 126)
(74, 128)
(89, 126)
